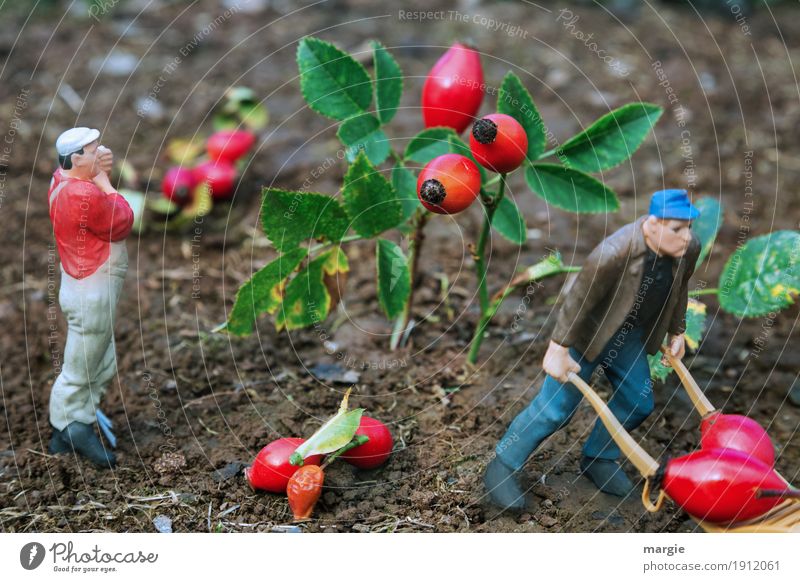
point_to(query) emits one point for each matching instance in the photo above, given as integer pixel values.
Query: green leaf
(513, 99)
(428, 144)
(363, 132)
(762, 276)
(394, 280)
(263, 293)
(388, 82)
(707, 225)
(335, 433)
(370, 201)
(570, 189)
(610, 140)
(290, 218)
(307, 299)
(457, 146)
(333, 83)
(509, 222)
(163, 205)
(695, 328)
(136, 200)
(405, 184)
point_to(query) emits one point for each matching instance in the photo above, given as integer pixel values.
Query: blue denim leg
(549, 411)
(627, 369)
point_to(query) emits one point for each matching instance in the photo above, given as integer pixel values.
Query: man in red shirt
(90, 223)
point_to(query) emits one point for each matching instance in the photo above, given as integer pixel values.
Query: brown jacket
(597, 300)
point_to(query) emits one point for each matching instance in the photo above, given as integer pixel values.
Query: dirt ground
(214, 401)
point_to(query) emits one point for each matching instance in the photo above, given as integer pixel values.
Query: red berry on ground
(220, 177)
(178, 184)
(498, 142)
(453, 90)
(376, 450)
(229, 145)
(304, 489)
(272, 470)
(448, 184)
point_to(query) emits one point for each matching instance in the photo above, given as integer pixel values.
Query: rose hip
(304, 489)
(453, 90)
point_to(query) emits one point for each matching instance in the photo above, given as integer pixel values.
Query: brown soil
(214, 401)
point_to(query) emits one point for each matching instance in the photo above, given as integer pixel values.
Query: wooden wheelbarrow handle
(646, 464)
(701, 403)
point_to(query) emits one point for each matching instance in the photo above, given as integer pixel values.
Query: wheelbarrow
(783, 518)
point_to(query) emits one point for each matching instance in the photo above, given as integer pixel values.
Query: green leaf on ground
(394, 280)
(370, 200)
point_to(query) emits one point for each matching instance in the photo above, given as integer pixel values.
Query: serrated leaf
(371, 202)
(333, 83)
(762, 276)
(610, 140)
(388, 82)
(363, 132)
(136, 200)
(428, 144)
(405, 185)
(290, 217)
(263, 293)
(394, 280)
(570, 189)
(509, 222)
(514, 99)
(307, 299)
(707, 225)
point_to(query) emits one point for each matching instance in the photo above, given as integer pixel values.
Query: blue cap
(672, 204)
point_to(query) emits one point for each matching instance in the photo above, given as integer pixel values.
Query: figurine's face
(668, 237)
(86, 163)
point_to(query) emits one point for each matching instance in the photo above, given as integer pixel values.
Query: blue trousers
(624, 360)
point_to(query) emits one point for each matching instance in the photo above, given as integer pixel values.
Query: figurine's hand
(105, 159)
(677, 347)
(103, 182)
(558, 363)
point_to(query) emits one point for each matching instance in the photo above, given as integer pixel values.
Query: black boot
(502, 487)
(82, 439)
(607, 476)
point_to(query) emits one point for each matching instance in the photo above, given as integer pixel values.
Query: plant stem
(699, 292)
(357, 441)
(480, 260)
(346, 239)
(415, 245)
(483, 323)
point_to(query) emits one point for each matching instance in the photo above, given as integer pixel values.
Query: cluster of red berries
(451, 97)
(224, 149)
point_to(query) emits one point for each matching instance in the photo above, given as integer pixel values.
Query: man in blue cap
(630, 294)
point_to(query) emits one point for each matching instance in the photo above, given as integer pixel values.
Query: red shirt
(86, 221)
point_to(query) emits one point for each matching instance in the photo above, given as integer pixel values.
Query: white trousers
(90, 361)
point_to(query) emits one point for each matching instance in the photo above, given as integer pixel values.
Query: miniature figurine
(90, 223)
(630, 294)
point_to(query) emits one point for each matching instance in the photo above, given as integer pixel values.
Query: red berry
(178, 184)
(722, 485)
(376, 450)
(498, 142)
(448, 184)
(271, 469)
(220, 176)
(229, 145)
(453, 90)
(733, 431)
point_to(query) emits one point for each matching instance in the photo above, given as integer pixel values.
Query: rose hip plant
(381, 199)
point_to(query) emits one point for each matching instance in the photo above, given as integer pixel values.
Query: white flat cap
(74, 139)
